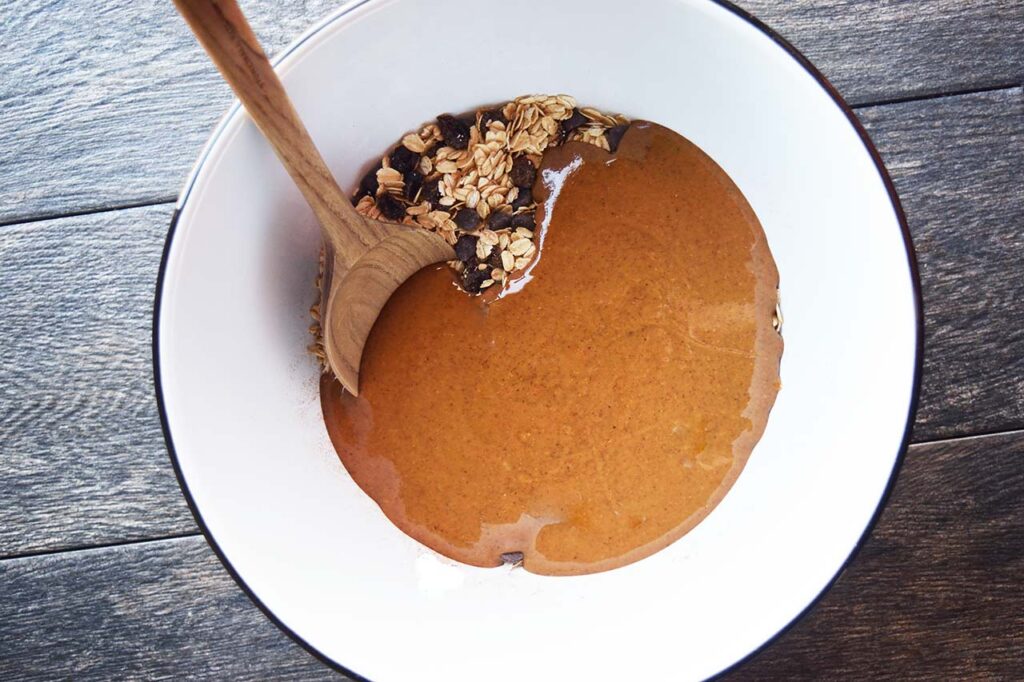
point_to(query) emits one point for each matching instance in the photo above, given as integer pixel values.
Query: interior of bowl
(239, 396)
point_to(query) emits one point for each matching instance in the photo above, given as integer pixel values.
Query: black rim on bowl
(915, 389)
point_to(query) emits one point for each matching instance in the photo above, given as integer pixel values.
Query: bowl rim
(890, 189)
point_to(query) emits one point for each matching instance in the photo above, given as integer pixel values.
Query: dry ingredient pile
(469, 178)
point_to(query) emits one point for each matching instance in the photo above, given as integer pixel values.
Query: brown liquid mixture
(599, 412)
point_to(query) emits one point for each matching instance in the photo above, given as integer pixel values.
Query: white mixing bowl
(238, 392)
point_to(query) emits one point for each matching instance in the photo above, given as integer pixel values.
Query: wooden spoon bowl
(366, 260)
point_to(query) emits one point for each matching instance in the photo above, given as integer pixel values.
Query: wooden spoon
(366, 259)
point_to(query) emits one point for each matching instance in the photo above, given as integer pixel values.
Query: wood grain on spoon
(366, 259)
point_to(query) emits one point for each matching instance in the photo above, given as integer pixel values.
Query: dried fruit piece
(524, 198)
(473, 279)
(491, 115)
(527, 220)
(403, 159)
(614, 136)
(413, 182)
(431, 193)
(496, 259)
(573, 122)
(368, 185)
(523, 172)
(390, 207)
(467, 219)
(465, 248)
(454, 132)
(499, 220)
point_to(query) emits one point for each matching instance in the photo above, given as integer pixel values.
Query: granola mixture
(469, 179)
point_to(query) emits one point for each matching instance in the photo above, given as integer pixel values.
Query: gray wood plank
(107, 103)
(880, 50)
(934, 594)
(958, 165)
(153, 611)
(83, 455)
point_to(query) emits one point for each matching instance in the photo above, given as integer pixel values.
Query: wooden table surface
(104, 105)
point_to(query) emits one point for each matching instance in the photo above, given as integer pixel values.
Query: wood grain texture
(118, 97)
(83, 456)
(958, 165)
(152, 611)
(108, 102)
(370, 258)
(936, 593)
(880, 50)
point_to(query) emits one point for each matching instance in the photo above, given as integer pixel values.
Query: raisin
(526, 220)
(413, 181)
(494, 260)
(491, 115)
(525, 198)
(614, 135)
(499, 221)
(559, 137)
(465, 248)
(404, 159)
(454, 131)
(573, 122)
(432, 194)
(467, 219)
(523, 173)
(368, 185)
(390, 207)
(472, 279)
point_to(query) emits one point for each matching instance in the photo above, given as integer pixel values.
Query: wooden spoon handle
(224, 32)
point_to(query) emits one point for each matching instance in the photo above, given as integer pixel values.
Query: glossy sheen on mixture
(606, 402)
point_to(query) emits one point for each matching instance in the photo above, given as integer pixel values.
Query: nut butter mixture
(567, 417)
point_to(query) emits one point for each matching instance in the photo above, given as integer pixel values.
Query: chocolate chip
(525, 198)
(413, 181)
(466, 219)
(454, 131)
(465, 248)
(614, 135)
(526, 220)
(523, 172)
(499, 221)
(368, 185)
(573, 122)
(472, 279)
(403, 159)
(491, 115)
(390, 207)
(431, 193)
